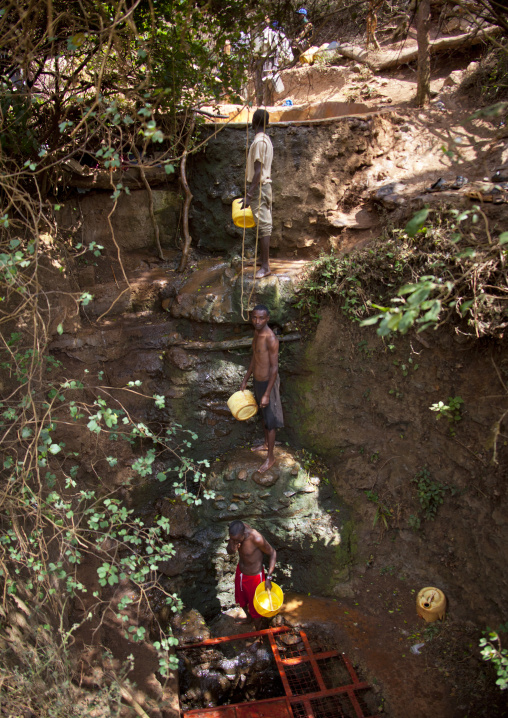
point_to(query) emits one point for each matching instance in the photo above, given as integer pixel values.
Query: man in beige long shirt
(259, 171)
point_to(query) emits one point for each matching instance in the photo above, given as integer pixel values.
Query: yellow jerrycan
(431, 604)
(268, 603)
(242, 217)
(242, 404)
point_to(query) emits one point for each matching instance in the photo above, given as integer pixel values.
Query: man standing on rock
(251, 546)
(264, 366)
(259, 194)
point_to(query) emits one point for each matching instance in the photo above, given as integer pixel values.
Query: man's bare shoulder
(271, 339)
(256, 537)
(269, 334)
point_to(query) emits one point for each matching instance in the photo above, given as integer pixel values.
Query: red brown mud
(376, 630)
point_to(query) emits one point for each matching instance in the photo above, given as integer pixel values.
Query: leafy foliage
(492, 650)
(449, 271)
(430, 495)
(383, 513)
(112, 84)
(451, 411)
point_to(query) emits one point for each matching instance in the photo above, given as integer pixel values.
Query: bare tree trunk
(150, 206)
(188, 198)
(423, 87)
(385, 60)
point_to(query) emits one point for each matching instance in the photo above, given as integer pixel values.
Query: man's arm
(232, 546)
(265, 547)
(272, 346)
(254, 184)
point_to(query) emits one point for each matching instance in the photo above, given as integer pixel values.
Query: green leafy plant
(414, 522)
(452, 411)
(383, 513)
(492, 650)
(430, 494)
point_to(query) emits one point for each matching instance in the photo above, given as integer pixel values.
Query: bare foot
(262, 273)
(259, 447)
(266, 465)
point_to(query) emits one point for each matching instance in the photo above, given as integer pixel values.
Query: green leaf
(371, 320)
(60, 329)
(491, 111)
(503, 238)
(466, 253)
(55, 449)
(416, 222)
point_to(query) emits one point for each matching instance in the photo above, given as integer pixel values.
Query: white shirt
(260, 150)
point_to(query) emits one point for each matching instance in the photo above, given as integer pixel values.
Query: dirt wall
(314, 172)
(364, 403)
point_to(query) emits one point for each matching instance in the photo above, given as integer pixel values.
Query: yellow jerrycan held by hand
(268, 603)
(242, 404)
(242, 217)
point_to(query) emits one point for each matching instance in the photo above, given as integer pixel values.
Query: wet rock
(267, 479)
(182, 522)
(181, 359)
(242, 475)
(289, 638)
(190, 627)
(177, 564)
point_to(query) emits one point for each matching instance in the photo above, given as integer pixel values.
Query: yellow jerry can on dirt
(242, 217)
(431, 604)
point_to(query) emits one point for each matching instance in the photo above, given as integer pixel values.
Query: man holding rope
(259, 194)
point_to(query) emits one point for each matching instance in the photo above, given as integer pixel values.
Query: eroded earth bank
(372, 497)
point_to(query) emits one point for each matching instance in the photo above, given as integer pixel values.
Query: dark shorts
(272, 415)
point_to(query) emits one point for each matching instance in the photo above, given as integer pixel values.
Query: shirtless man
(264, 365)
(251, 546)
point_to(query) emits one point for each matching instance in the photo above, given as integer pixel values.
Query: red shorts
(245, 588)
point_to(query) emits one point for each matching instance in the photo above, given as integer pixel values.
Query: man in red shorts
(251, 546)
